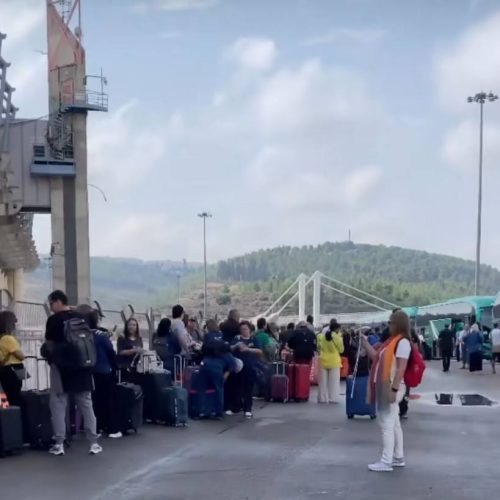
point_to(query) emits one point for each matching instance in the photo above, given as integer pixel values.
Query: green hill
(402, 276)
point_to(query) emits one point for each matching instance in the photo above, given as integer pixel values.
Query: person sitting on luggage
(303, 344)
(330, 348)
(104, 372)
(12, 370)
(129, 346)
(248, 349)
(65, 381)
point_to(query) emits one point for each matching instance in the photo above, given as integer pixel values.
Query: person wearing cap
(387, 388)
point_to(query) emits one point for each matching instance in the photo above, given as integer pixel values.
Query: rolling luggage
(11, 430)
(300, 384)
(129, 402)
(280, 384)
(35, 409)
(357, 405)
(195, 402)
(315, 370)
(152, 384)
(174, 407)
(344, 370)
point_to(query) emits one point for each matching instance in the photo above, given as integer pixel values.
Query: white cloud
(253, 53)
(23, 17)
(470, 65)
(461, 145)
(340, 36)
(174, 5)
(358, 184)
(123, 150)
(311, 98)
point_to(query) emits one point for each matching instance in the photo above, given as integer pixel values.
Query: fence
(31, 320)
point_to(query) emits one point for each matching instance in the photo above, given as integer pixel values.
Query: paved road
(293, 451)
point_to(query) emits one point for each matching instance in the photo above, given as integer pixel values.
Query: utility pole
(205, 216)
(480, 98)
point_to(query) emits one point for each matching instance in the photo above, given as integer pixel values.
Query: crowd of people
(235, 359)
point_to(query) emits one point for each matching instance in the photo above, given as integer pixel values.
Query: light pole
(178, 287)
(205, 216)
(481, 98)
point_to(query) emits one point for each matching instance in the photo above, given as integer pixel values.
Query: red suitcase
(280, 386)
(300, 381)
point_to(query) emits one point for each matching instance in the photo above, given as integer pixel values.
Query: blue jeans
(211, 377)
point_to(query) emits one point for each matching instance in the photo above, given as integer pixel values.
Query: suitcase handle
(37, 371)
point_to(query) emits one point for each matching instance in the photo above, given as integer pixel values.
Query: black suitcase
(37, 419)
(173, 406)
(152, 384)
(11, 430)
(129, 399)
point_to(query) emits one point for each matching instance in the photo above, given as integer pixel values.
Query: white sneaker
(398, 462)
(57, 449)
(116, 435)
(248, 414)
(380, 467)
(95, 449)
(229, 412)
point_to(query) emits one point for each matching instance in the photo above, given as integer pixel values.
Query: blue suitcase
(357, 405)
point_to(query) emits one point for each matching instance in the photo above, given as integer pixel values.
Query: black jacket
(79, 380)
(230, 329)
(303, 343)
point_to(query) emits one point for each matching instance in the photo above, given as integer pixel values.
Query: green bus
(433, 318)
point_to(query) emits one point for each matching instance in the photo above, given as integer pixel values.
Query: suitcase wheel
(373, 417)
(350, 417)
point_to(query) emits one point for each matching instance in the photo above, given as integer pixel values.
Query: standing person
(463, 347)
(387, 388)
(165, 344)
(65, 380)
(330, 348)
(474, 343)
(194, 331)
(179, 330)
(266, 340)
(303, 344)
(310, 323)
(12, 370)
(374, 337)
(249, 351)
(129, 346)
(495, 343)
(231, 327)
(446, 343)
(104, 372)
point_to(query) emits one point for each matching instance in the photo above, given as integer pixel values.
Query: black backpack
(79, 348)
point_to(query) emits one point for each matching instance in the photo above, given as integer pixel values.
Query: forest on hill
(401, 276)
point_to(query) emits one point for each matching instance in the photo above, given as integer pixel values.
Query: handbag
(21, 372)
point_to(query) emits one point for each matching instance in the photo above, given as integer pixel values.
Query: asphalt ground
(288, 451)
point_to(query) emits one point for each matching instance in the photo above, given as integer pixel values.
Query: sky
(291, 121)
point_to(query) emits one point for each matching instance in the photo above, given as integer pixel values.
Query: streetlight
(204, 216)
(481, 98)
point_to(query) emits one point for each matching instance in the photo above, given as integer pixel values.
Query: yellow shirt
(329, 352)
(8, 346)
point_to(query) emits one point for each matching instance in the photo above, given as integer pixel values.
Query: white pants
(329, 385)
(392, 434)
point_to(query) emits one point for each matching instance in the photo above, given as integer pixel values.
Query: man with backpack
(303, 344)
(70, 351)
